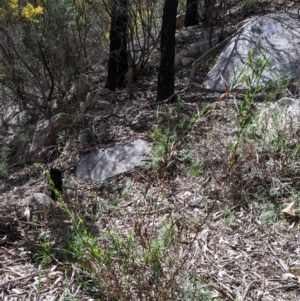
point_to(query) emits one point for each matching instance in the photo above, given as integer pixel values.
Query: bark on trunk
(191, 14)
(165, 84)
(118, 57)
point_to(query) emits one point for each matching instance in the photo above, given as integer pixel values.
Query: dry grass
(204, 224)
(196, 227)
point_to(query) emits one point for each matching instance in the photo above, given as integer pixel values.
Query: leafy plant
(3, 168)
(199, 290)
(194, 171)
(147, 259)
(134, 265)
(276, 89)
(229, 217)
(251, 74)
(166, 138)
(45, 253)
(269, 215)
(38, 65)
(206, 65)
(248, 7)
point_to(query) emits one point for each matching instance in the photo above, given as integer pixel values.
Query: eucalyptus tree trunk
(165, 84)
(191, 13)
(118, 57)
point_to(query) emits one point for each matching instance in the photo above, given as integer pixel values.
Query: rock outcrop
(274, 36)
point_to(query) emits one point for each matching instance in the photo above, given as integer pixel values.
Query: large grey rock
(276, 34)
(280, 118)
(100, 165)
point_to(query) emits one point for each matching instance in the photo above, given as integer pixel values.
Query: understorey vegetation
(203, 220)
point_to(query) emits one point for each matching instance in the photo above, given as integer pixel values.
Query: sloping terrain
(203, 221)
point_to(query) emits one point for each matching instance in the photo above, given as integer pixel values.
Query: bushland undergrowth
(141, 243)
(140, 236)
(145, 253)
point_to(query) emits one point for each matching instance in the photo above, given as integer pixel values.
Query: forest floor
(202, 222)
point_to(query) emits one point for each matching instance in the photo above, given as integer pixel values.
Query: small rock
(204, 44)
(282, 117)
(194, 51)
(83, 106)
(96, 94)
(79, 87)
(4, 151)
(54, 104)
(177, 62)
(291, 210)
(40, 200)
(102, 104)
(184, 52)
(8, 113)
(186, 61)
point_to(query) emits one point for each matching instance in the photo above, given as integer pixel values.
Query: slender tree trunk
(208, 8)
(191, 13)
(165, 84)
(118, 63)
(208, 18)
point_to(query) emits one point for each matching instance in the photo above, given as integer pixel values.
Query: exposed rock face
(180, 21)
(189, 54)
(12, 116)
(21, 119)
(79, 87)
(46, 134)
(275, 36)
(280, 118)
(94, 98)
(39, 200)
(100, 165)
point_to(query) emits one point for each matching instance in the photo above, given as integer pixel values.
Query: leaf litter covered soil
(243, 250)
(237, 242)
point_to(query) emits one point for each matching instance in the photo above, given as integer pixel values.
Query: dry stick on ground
(19, 279)
(168, 100)
(248, 287)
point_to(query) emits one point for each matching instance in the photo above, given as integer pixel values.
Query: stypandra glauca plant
(135, 254)
(58, 195)
(167, 137)
(250, 75)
